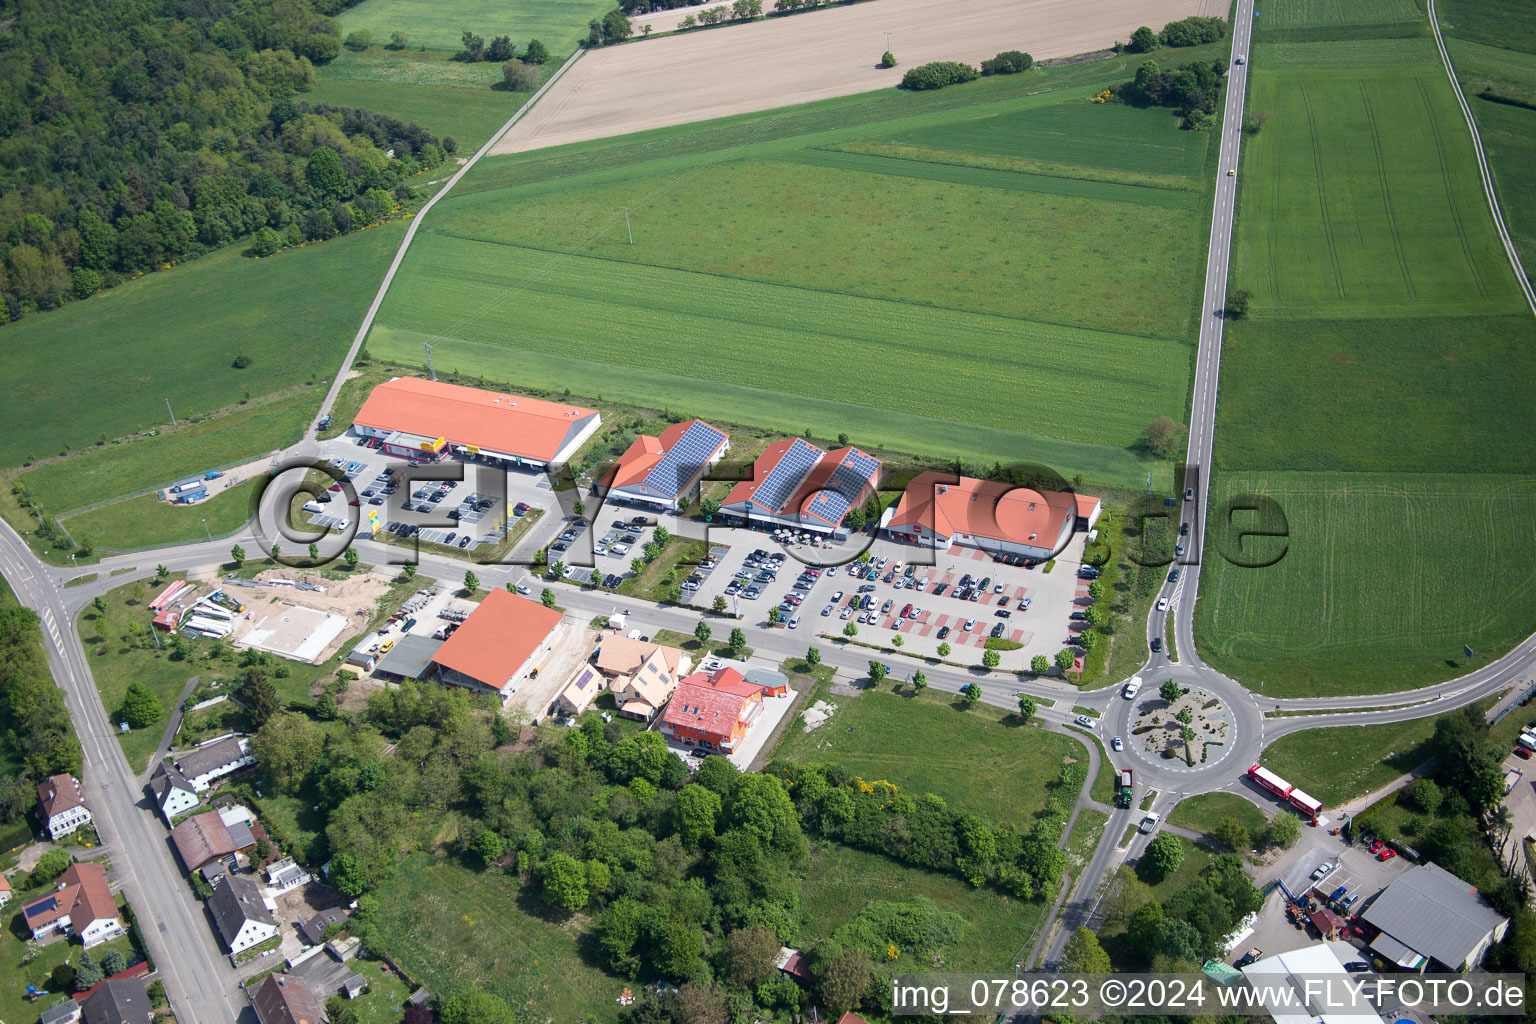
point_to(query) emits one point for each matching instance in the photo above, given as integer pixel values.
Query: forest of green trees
(37, 734)
(138, 133)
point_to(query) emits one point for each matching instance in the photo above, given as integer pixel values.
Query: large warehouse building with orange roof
(426, 419)
(499, 646)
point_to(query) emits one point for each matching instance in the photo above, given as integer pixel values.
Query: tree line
(1192, 89)
(138, 134)
(37, 732)
(692, 879)
(1191, 31)
(941, 73)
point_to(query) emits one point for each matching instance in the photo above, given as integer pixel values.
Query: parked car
(997, 631)
(970, 624)
(1386, 854)
(1024, 603)
(826, 611)
(1357, 967)
(1248, 957)
(794, 622)
(943, 632)
(1003, 613)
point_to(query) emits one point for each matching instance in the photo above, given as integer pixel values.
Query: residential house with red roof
(6, 892)
(427, 419)
(286, 999)
(62, 805)
(940, 509)
(665, 472)
(797, 485)
(499, 645)
(713, 710)
(80, 905)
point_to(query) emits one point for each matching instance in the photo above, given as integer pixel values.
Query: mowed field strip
(699, 75)
(1374, 393)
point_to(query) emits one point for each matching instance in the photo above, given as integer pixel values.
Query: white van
(313, 506)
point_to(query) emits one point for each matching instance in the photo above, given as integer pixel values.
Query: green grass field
(98, 474)
(1338, 764)
(1386, 324)
(452, 929)
(558, 24)
(1394, 223)
(1508, 24)
(107, 365)
(1316, 13)
(977, 760)
(467, 114)
(839, 882)
(1384, 578)
(146, 522)
(1206, 811)
(760, 246)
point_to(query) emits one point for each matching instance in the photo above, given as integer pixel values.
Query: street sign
(1467, 651)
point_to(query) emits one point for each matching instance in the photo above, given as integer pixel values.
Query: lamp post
(207, 531)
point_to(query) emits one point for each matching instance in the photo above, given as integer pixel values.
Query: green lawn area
(173, 335)
(839, 882)
(1086, 833)
(978, 760)
(1336, 765)
(1382, 300)
(976, 252)
(146, 522)
(450, 929)
(1203, 812)
(386, 994)
(99, 474)
(558, 24)
(450, 99)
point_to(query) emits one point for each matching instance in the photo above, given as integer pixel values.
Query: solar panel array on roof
(41, 907)
(784, 479)
(845, 487)
(684, 461)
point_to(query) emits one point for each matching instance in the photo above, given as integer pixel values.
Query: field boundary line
(410, 234)
(1482, 164)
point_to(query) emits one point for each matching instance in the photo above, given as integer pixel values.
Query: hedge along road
(410, 233)
(759, 65)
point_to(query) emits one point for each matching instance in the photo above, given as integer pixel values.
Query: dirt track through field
(811, 56)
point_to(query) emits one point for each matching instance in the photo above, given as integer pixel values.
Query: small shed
(354, 985)
(791, 963)
(1328, 924)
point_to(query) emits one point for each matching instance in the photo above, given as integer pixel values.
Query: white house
(80, 904)
(172, 792)
(243, 916)
(214, 760)
(62, 806)
(286, 874)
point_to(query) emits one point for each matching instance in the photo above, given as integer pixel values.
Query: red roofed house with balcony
(428, 419)
(798, 485)
(499, 645)
(713, 711)
(62, 805)
(995, 516)
(80, 904)
(664, 472)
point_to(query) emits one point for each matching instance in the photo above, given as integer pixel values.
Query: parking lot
(1023, 605)
(467, 514)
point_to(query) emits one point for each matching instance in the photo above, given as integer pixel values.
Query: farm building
(423, 419)
(943, 510)
(499, 645)
(664, 472)
(798, 485)
(1428, 914)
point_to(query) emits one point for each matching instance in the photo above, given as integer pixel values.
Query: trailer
(1310, 806)
(1270, 781)
(1124, 788)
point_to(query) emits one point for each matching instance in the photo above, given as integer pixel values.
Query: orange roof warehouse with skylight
(942, 509)
(425, 419)
(499, 645)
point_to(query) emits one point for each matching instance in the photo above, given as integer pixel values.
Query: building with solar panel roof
(802, 487)
(665, 472)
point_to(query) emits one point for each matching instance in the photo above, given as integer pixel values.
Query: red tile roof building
(664, 472)
(498, 645)
(798, 485)
(202, 838)
(941, 509)
(62, 805)
(713, 711)
(426, 419)
(80, 904)
(286, 999)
